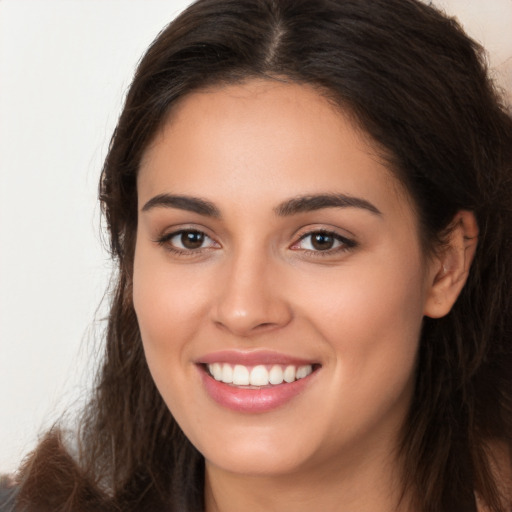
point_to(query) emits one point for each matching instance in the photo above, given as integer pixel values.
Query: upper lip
(253, 357)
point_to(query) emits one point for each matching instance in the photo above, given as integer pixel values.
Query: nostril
(265, 325)
(246, 329)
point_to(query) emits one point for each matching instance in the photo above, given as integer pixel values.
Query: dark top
(7, 496)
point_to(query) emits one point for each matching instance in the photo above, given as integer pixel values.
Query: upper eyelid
(328, 229)
(324, 232)
(171, 234)
(349, 242)
(170, 231)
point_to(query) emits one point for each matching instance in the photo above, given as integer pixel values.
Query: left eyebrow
(317, 202)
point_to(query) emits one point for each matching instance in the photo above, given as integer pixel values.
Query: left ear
(450, 268)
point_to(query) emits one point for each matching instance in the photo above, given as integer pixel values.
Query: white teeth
(289, 374)
(303, 371)
(259, 375)
(275, 375)
(227, 373)
(216, 371)
(240, 375)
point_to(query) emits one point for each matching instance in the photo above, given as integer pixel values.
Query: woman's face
(277, 253)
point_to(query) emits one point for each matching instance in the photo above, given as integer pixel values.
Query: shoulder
(8, 491)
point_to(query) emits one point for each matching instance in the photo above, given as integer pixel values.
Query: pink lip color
(252, 400)
(251, 358)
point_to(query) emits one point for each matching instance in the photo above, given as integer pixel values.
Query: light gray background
(64, 68)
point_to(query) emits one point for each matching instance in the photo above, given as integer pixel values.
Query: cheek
(170, 309)
(371, 319)
(167, 306)
(367, 296)
(168, 301)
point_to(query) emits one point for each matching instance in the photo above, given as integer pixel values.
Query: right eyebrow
(188, 203)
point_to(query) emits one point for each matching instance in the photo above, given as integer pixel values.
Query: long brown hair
(419, 87)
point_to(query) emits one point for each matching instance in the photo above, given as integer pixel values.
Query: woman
(309, 202)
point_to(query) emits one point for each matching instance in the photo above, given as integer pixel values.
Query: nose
(251, 296)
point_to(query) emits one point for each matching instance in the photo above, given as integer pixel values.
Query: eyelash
(165, 241)
(345, 244)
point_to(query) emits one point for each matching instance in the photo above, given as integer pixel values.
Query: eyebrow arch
(317, 202)
(189, 203)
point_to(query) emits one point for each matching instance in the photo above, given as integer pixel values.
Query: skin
(258, 283)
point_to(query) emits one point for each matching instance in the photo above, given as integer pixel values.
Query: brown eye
(192, 239)
(322, 241)
(187, 241)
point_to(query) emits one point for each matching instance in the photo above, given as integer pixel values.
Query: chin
(257, 462)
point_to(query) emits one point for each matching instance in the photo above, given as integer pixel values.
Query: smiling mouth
(258, 376)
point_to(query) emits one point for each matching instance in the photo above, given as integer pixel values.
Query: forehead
(264, 137)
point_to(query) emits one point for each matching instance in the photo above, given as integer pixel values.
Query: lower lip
(253, 400)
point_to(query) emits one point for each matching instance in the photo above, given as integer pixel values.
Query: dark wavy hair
(419, 87)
